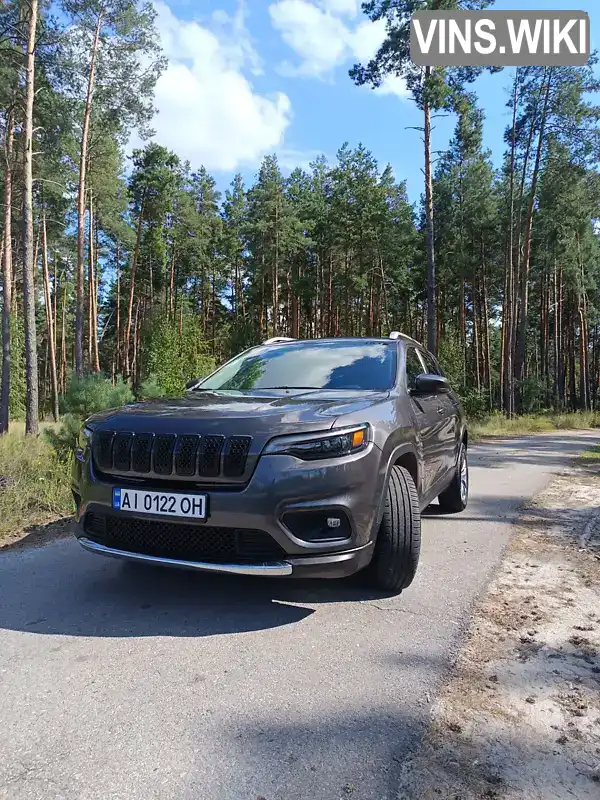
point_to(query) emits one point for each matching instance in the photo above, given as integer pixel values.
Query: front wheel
(398, 543)
(455, 498)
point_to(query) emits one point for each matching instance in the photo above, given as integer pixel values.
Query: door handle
(441, 411)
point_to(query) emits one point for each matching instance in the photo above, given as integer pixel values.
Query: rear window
(365, 366)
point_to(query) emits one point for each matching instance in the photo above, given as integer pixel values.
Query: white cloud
(323, 41)
(209, 112)
(319, 38)
(290, 158)
(366, 38)
(349, 7)
(393, 84)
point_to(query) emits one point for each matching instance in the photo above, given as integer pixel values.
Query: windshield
(366, 366)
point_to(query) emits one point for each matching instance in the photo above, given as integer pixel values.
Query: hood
(271, 412)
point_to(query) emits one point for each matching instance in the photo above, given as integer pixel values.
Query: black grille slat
(104, 448)
(186, 453)
(163, 454)
(236, 454)
(141, 452)
(211, 448)
(169, 456)
(122, 451)
(182, 541)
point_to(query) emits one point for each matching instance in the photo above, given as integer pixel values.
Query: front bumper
(338, 565)
(280, 485)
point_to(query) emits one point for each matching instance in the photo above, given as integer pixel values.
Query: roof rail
(277, 339)
(396, 335)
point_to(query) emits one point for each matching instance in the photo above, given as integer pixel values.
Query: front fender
(410, 448)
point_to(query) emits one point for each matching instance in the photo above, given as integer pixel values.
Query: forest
(133, 268)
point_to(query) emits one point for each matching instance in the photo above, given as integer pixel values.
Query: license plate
(169, 504)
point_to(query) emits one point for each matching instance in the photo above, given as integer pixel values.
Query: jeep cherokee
(295, 458)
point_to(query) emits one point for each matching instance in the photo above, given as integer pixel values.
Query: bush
(84, 396)
(63, 439)
(35, 484)
(150, 389)
(476, 404)
(92, 393)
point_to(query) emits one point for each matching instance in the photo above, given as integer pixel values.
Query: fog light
(318, 526)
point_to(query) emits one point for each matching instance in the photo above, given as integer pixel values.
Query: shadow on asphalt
(554, 450)
(68, 592)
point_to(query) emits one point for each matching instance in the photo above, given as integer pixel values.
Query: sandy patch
(520, 717)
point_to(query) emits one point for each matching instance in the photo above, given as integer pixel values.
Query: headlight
(83, 442)
(310, 447)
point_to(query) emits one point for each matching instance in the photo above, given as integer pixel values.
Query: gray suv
(295, 458)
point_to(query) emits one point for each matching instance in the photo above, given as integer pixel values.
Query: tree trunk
(95, 357)
(276, 276)
(571, 335)
(524, 286)
(79, 302)
(172, 284)
(487, 367)
(118, 321)
(583, 381)
(49, 320)
(135, 341)
(508, 311)
(476, 336)
(431, 283)
(63, 340)
(7, 273)
(295, 329)
(31, 365)
(134, 259)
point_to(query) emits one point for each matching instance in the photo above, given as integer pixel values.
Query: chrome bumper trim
(269, 569)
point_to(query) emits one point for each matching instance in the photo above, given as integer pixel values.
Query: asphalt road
(134, 683)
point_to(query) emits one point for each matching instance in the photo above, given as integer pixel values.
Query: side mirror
(431, 384)
(192, 383)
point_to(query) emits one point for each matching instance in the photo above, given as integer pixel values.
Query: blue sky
(259, 76)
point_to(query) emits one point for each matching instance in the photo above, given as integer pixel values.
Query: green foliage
(150, 389)
(63, 438)
(476, 404)
(534, 395)
(92, 393)
(176, 356)
(452, 360)
(84, 396)
(35, 483)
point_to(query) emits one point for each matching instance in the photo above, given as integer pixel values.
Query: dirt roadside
(520, 715)
(37, 535)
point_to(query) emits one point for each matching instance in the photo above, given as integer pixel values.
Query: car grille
(181, 541)
(165, 455)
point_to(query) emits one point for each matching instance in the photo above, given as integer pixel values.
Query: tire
(455, 498)
(398, 543)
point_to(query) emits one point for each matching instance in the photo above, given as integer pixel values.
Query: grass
(34, 485)
(592, 456)
(498, 425)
